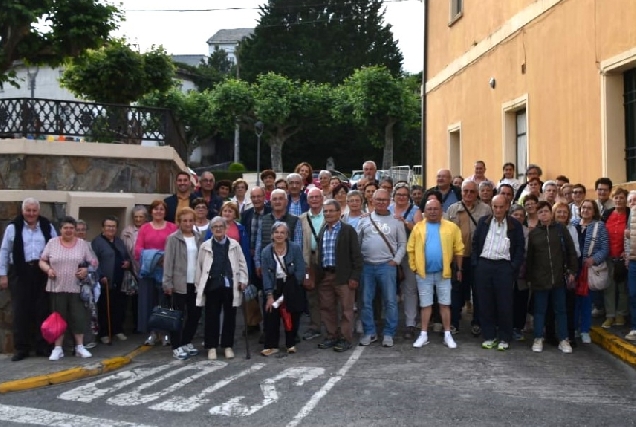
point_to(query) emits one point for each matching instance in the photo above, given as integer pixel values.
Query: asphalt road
(368, 386)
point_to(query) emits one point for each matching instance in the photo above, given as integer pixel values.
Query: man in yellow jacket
(434, 244)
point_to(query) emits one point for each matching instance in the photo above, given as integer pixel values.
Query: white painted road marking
(234, 407)
(135, 397)
(40, 417)
(89, 392)
(179, 404)
(309, 406)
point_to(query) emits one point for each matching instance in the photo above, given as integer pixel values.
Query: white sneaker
(80, 351)
(56, 354)
(422, 340)
(449, 341)
(631, 336)
(537, 346)
(180, 353)
(151, 340)
(565, 346)
(229, 353)
(121, 337)
(212, 354)
(105, 340)
(190, 349)
(585, 338)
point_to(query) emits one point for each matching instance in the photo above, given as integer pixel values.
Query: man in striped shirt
(498, 252)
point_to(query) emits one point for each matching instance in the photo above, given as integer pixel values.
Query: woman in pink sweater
(152, 235)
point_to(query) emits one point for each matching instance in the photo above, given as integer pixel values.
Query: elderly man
(497, 255)
(324, 178)
(296, 197)
(383, 244)
(369, 170)
(312, 222)
(251, 219)
(450, 193)
(434, 244)
(206, 191)
(23, 242)
(466, 213)
(338, 265)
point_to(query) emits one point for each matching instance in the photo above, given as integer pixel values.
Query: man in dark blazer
(338, 271)
(182, 198)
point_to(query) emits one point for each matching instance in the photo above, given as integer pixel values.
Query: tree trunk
(276, 145)
(387, 159)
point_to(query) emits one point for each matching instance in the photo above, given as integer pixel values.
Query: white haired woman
(221, 276)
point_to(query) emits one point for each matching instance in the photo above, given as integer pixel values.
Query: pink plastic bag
(53, 327)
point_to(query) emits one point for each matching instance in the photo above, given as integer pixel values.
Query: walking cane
(247, 344)
(110, 334)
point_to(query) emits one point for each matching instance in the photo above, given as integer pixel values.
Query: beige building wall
(547, 57)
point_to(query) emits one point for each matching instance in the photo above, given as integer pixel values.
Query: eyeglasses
(381, 200)
(402, 194)
(217, 227)
(469, 191)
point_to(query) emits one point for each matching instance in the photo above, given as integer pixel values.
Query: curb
(620, 348)
(72, 374)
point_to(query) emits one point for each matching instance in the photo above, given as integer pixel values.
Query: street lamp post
(258, 128)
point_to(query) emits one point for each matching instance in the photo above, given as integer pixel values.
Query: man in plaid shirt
(338, 268)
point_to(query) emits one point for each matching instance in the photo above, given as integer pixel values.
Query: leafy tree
(319, 41)
(210, 72)
(118, 74)
(65, 28)
(377, 102)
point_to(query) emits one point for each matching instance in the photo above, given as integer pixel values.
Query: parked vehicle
(356, 175)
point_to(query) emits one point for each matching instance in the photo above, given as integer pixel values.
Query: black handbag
(165, 319)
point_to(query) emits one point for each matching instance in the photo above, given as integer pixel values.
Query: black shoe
(20, 355)
(261, 339)
(43, 353)
(328, 343)
(342, 345)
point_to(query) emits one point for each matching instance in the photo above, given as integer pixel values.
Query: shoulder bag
(597, 277)
(293, 295)
(399, 273)
(166, 318)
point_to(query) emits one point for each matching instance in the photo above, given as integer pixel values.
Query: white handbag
(597, 275)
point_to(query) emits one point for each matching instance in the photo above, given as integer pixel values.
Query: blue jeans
(631, 285)
(583, 313)
(384, 277)
(558, 304)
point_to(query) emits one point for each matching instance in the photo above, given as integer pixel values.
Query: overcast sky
(186, 31)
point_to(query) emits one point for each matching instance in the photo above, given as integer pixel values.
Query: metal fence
(71, 120)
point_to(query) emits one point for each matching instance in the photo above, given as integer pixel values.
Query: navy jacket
(247, 217)
(515, 234)
(304, 204)
(171, 201)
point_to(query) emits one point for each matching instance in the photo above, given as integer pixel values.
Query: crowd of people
(516, 258)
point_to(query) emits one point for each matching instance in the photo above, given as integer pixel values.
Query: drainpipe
(424, 78)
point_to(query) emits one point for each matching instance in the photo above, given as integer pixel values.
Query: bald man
(450, 193)
(498, 252)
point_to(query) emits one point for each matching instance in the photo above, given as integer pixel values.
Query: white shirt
(191, 248)
(497, 244)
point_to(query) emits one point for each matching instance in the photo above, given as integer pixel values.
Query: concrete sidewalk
(34, 372)
(613, 340)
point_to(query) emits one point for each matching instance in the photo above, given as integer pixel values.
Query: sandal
(269, 351)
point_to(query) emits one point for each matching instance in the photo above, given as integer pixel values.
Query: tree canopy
(118, 74)
(47, 31)
(322, 42)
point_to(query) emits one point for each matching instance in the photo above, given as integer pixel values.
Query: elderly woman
(283, 269)
(114, 260)
(129, 236)
(550, 257)
(550, 192)
(62, 261)
(201, 221)
(590, 229)
(235, 230)
(151, 239)
(220, 277)
(530, 205)
(324, 178)
(339, 193)
(486, 191)
(179, 268)
(409, 214)
(616, 293)
(239, 187)
(354, 208)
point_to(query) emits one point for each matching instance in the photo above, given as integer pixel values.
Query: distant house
(228, 40)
